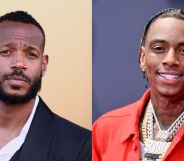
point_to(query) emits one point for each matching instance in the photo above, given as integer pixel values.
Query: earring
(144, 74)
(146, 78)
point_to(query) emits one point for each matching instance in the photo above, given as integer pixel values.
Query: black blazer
(52, 138)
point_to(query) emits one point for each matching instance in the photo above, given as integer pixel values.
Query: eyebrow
(32, 48)
(11, 44)
(6, 45)
(181, 43)
(163, 41)
(157, 41)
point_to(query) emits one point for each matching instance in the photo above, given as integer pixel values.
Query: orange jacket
(116, 135)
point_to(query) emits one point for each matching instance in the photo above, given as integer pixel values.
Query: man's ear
(142, 59)
(45, 60)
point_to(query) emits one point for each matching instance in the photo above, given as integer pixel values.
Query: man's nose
(18, 62)
(171, 58)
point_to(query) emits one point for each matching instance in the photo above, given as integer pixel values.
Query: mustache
(16, 74)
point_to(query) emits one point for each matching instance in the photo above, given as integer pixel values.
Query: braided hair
(170, 12)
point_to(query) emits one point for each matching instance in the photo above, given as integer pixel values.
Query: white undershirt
(9, 149)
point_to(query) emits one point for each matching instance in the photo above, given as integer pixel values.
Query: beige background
(67, 84)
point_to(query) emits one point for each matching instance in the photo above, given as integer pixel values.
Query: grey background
(117, 29)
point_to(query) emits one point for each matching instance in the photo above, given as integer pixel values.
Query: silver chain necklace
(165, 135)
(156, 149)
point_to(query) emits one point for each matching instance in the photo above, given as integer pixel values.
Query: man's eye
(5, 52)
(32, 55)
(181, 50)
(158, 49)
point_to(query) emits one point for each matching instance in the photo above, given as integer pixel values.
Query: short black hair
(24, 17)
(170, 12)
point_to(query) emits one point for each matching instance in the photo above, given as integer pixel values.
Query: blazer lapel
(36, 145)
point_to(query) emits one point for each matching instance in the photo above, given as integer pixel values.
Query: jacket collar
(36, 145)
(132, 132)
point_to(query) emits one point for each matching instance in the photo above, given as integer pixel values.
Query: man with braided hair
(29, 131)
(152, 128)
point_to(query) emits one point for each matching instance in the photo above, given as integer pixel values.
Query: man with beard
(151, 129)
(29, 131)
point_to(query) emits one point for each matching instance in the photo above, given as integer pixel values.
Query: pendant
(163, 135)
(156, 147)
(151, 157)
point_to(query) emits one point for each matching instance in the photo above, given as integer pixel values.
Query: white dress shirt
(10, 148)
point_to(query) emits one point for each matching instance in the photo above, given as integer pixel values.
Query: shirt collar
(134, 116)
(27, 125)
(10, 148)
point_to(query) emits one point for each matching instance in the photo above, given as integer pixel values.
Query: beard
(21, 99)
